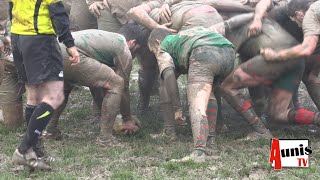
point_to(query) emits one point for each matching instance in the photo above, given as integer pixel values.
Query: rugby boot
(30, 159)
(41, 153)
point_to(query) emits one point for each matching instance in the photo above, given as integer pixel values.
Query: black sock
(38, 122)
(28, 112)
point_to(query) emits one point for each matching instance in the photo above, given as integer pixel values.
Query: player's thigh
(89, 72)
(260, 68)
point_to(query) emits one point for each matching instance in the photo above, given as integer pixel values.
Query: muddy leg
(258, 96)
(198, 96)
(166, 110)
(220, 125)
(148, 74)
(311, 79)
(97, 95)
(212, 112)
(279, 111)
(52, 130)
(279, 105)
(296, 116)
(110, 109)
(295, 100)
(230, 90)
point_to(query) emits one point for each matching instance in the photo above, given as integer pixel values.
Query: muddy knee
(116, 85)
(228, 84)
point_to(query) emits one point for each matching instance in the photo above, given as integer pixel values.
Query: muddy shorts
(284, 75)
(10, 89)
(209, 63)
(37, 58)
(89, 72)
(108, 22)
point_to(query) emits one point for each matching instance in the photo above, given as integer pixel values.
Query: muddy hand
(180, 119)
(269, 54)
(165, 13)
(74, 55)
(105, 3)
(95, 8)
(129, 127)
(255, 28)
(166, 25)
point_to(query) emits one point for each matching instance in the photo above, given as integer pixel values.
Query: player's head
(156, 37)
(297, 10)
(136, 35)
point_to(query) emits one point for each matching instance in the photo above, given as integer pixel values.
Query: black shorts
(37, 58)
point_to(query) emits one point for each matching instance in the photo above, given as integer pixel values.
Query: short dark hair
(298, 5)
(134, 31)
(158, 34)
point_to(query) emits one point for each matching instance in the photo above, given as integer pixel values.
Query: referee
(39, 63)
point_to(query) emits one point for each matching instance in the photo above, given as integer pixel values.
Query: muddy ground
(78, 157)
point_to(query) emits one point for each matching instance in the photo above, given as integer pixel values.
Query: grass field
(78, 157)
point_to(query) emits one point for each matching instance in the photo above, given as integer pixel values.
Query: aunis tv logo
(289, 153)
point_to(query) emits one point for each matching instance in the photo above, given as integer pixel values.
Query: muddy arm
(140, 14)
(123, 69)
(171, 84)
(167, 72)
(237, 21)
(261, 9)
(232, 23)
(302, 50)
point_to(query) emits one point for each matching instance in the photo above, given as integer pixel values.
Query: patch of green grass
(124, 174)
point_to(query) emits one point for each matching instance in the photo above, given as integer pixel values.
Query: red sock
(246, 105)
(212, 110)
(303, 116)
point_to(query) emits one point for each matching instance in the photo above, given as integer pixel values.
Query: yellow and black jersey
(33, 17)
